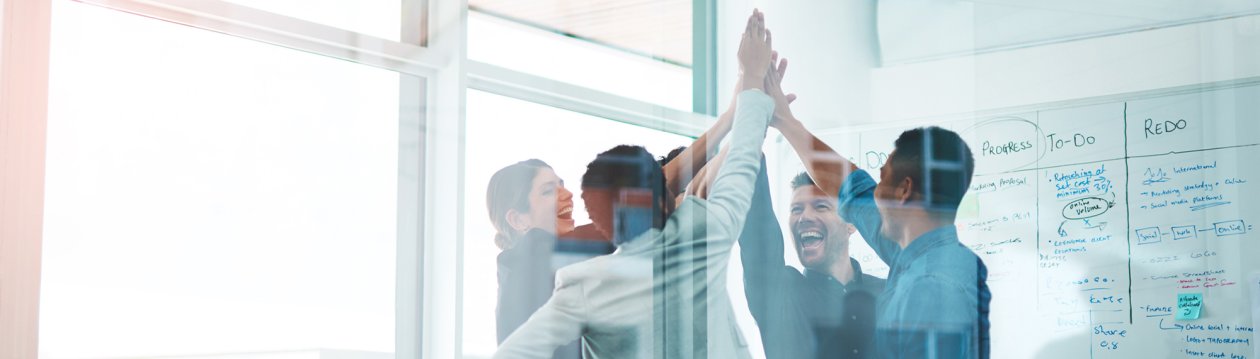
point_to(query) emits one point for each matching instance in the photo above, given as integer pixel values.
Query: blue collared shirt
(936, 302)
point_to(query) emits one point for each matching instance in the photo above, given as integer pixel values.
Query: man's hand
(774, 88)
(754, 52)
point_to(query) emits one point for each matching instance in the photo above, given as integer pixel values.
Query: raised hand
(774, 88)
(754, 52)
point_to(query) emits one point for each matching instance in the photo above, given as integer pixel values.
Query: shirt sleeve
(761, 240)
(731, 195)
(556, 323)
(761, 253)
(857, 206)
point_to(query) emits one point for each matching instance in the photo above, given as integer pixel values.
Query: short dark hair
(801, 180)
(671, 155)
(938, 162)
(627, 166)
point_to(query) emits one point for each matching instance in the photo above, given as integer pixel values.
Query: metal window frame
(431, 58)
(704, 57)
(536, 89)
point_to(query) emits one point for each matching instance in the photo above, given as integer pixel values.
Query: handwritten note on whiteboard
(1189, 306)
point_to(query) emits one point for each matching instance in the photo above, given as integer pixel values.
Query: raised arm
(761, 253)
(827, 167)
(730, 196)
(679, 173)
(833, 173)
(700, 186)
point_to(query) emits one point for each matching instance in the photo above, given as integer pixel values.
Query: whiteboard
(1093, 218)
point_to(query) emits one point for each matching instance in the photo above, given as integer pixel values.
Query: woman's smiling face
(550, 204)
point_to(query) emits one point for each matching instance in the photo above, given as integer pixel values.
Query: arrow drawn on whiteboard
(1174, 327)
(1062, 233)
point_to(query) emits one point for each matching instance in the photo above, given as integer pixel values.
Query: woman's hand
(754, 52)
(774, 88)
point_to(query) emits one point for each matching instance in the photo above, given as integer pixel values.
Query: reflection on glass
(211, 195)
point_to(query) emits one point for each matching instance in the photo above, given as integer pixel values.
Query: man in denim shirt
(936, 303)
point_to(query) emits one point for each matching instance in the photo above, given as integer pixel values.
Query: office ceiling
(658, 28)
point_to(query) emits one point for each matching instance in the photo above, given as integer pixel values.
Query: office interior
(306, 179)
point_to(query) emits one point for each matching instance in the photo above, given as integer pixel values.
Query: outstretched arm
(731, 192)
(682, 170)
(827, 167)
(830, 171)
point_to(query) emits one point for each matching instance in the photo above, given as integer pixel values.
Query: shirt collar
(857, 274)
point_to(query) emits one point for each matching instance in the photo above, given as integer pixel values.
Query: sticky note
(1189, 305)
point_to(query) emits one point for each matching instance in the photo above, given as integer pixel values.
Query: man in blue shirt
(936, 302)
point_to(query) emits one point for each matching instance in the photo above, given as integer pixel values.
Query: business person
(663, 293)
(828, 311)
(936, 302)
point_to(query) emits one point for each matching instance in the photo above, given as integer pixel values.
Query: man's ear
(905, 190)
(518, 220)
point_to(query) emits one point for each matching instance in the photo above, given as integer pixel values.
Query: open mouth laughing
(810, 239)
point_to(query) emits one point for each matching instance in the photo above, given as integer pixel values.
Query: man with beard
(825, 312)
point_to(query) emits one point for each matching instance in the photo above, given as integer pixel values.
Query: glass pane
(212, 195)
(503, 131)
(563, 54)
(1109, 212)
(379, 18)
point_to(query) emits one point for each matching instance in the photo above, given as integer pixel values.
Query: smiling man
(825, 312)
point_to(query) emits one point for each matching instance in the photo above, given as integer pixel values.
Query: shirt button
(854, 351)
(853, 317)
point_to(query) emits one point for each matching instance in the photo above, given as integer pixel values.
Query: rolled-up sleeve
(857, 206)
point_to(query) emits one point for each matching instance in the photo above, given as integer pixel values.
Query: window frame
(431, 58)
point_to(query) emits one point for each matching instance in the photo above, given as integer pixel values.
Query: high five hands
(760, 66)
(754, 53)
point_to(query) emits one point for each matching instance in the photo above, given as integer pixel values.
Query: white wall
(831, 46)
(1192, 54)
(833, 53)
(918, 30)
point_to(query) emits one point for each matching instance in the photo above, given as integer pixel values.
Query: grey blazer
(662, 294)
